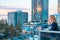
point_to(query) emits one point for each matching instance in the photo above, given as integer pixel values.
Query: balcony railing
(49, 35)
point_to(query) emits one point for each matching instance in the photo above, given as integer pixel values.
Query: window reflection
(39, 9)
(58, 9)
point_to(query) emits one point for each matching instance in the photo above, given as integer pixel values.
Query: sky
(16, 3)
(53, 7)
(24, 4)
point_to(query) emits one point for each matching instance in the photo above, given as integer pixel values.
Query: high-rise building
(39, 10)
(22, 17)
(17, 17)
(58, 6)
(44, 10)
(12, 18)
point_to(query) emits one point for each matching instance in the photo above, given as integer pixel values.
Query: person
(52, 23)
(53, 26)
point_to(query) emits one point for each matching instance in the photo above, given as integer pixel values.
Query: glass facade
(15, 17)
(44, 10)
(22, 17)
(39, 10)
(12, 18)
(58, 6)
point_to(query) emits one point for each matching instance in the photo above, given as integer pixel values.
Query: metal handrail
(48, 31)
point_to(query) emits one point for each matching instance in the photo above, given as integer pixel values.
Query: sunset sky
(24, 4)
(14, 4)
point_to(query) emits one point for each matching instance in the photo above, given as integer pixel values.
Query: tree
(11, 30)
(5, 28)
(1, 26)
(18, 29)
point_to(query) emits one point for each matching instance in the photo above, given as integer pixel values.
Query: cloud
(15, 8)
(16, 3)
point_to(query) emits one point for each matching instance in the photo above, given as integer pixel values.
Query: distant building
(39, 10)
(58, 6)
(12, 18)
(18, 16)
(31, 26)
(22, 17)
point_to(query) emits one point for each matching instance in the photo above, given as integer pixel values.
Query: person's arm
(48, 28)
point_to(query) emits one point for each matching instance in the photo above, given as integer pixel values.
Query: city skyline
(53, 6)
(29, 19)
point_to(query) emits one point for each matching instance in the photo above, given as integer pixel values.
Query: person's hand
(39, 28)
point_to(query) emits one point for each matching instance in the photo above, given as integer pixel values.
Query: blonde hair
(53, 18)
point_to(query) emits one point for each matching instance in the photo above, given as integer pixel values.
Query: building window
(59, 9)
(39, 8)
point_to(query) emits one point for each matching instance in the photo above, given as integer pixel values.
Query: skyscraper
(22, 17)
(39, 10)
(18, 16)
(58, 6)
(44, 10)
(12, 18)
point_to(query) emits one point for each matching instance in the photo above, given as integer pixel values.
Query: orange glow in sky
(5, 11)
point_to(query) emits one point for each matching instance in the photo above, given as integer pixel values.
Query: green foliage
(18, 28)
(10, 28)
